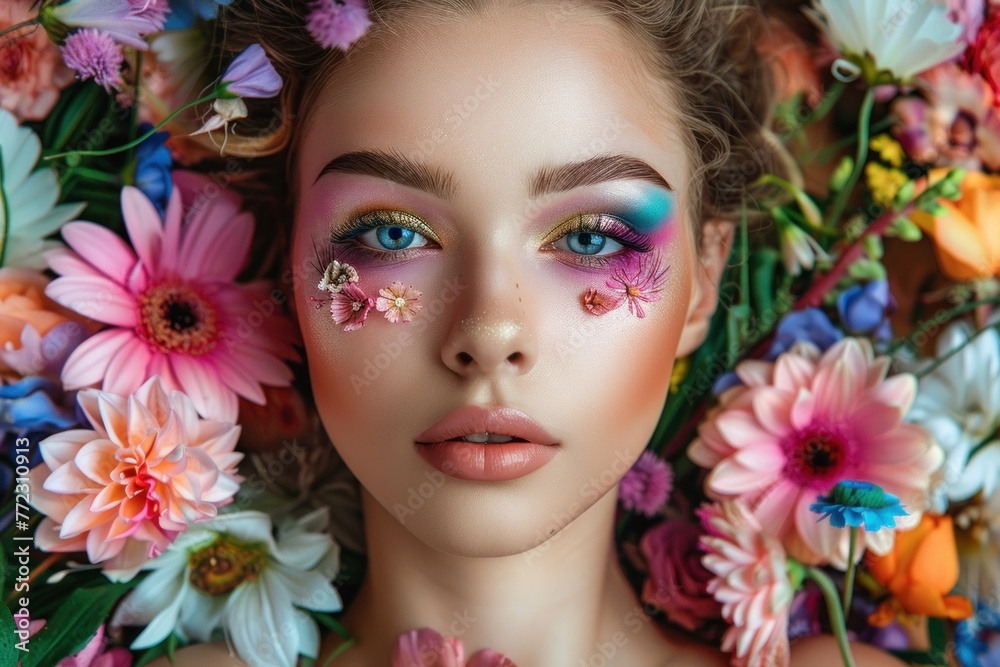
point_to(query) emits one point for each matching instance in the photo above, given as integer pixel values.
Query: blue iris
(586, 243)
(394, 238)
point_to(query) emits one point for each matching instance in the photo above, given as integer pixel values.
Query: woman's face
(459, 158)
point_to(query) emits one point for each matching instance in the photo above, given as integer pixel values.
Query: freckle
(517, 285)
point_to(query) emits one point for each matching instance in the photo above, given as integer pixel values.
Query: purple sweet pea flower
(865, 309)
(117, 18)
(250, 75)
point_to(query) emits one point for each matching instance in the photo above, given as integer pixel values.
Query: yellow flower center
(400, 302)
(222, 566)
(177, 318)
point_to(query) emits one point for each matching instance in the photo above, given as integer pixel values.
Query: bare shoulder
(199, 655)
(823, 651)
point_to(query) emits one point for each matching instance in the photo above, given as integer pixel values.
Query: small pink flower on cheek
(635, 279)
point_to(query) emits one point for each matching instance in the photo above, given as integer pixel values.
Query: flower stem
(18, 26)
(851, 567)
(836, 614)
(814, 296)
(4, 211)
(864, 123)
(135, 142)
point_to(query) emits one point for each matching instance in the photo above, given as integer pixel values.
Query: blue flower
(811, 325)
(152, 170)
(973, 645)
(34, 407)
(184, 12)
(865, 309)
(852, 503)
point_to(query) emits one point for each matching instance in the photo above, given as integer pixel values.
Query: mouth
(486, 444)
(480, 425)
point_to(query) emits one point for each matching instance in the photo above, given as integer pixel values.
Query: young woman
(498, 163)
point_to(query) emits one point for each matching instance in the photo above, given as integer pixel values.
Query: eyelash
(606, 225)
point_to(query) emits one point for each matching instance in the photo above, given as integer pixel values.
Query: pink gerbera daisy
(398, 302)
(173, 303)
(798, 426)
(123, 490)
(350, 306)
(637, 279)
(751, 581)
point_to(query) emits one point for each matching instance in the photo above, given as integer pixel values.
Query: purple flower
(337, 23)
(95, 55)
(647, 485)
(251, 74)
(117, 18)
(865, 309)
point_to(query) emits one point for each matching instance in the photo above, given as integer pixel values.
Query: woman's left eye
(588, 243)
(392, 237)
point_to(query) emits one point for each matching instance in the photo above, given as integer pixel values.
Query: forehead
(494, 97)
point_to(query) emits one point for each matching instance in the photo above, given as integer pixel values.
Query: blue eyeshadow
(655, 209)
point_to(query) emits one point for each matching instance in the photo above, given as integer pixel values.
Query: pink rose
(31, 68)
(677, 581)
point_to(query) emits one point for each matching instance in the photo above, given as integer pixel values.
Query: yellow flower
(681, 368)
(888, 149)
(884, 183)
(967, 235)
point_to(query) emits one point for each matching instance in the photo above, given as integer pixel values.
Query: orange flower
(23, 302)
(967, 237)
(32, 71)
(791, 64)
(919, 572)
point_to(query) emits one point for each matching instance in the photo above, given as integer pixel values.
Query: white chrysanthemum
(901, 36)
(31, 197)
(959, 403)
(230, 572)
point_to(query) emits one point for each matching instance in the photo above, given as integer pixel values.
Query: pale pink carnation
(646, 486)
(32, 72)
(751, 581)
(337, 23)
(124, 490)
(95, 55)
(173, 303)
(797, 426)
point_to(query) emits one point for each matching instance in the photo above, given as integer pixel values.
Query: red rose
(677, 581)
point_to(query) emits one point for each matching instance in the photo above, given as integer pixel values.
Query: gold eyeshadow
(364, 222)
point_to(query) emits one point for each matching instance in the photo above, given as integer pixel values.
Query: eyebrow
(394, 166)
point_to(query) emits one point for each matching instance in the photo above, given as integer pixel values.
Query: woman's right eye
(392, 237)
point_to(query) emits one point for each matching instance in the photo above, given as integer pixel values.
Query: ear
(716, 242)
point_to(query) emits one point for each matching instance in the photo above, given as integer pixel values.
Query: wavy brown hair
(715, 85)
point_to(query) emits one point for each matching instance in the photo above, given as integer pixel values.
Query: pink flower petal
(144, 226)
(102, 248)
(210, 397)
(88, 363)
(128, 368)
(772, 411)
(95, 297)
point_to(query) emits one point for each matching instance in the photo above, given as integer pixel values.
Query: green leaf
(840, 175)
(905, 194)
(164, 648)
(74, 623)
(904, 229)
(8, 638)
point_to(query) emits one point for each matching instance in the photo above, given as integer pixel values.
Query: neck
(554, 605)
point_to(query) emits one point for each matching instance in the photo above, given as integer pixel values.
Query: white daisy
(902, 37)
(959, 403)
(30, 197)
(230, 572)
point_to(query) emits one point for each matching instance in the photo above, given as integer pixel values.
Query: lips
(472, 420)
(486, 444)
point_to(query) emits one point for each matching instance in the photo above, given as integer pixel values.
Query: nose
(491, 335)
